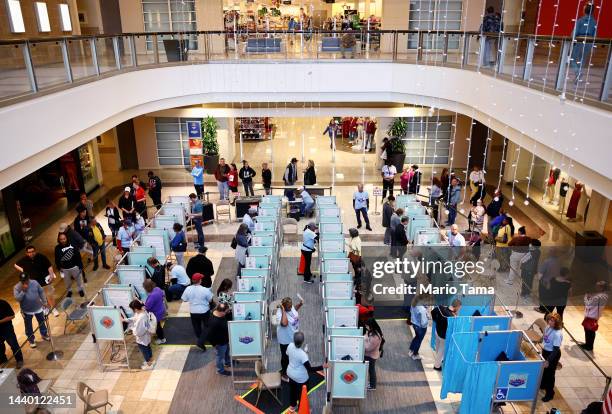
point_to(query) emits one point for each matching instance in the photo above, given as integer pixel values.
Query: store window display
(572, 207)
(551, 182)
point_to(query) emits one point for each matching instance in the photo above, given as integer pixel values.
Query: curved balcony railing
(574, 68)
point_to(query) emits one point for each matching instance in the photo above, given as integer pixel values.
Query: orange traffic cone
(304, 404)
(302, 265)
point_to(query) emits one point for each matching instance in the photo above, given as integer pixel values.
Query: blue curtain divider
(460, 353)
(479, 381)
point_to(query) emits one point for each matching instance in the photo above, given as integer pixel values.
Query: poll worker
(440, 315)
(199, 298)
(289, 323)
(299, 369)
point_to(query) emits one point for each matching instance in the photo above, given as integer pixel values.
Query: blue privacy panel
(174, 209)
(333, 255)
(179, 199)
(248, 296)
(413, 208)
(257, 262)
(271, 199)
(337, 277)
(427, 236)
(133, 275)
(138, 258)
(336, 265)
(330, 228)
(332, 246)
(331, 219)
(491, 323)
(106, 322)
(496, 342)
(348, 379)
(247, 311)
(266, 219)
(246, 338)
(339, 302)
(251, 284)
(346, 348)
(521, 378)
(255, 272)
(403, 199)
(328, 211)
(262, 240)
(119, 296)
(265, 225)
(416, 223)
(342, 316)
(260, 250)
(159, 240)
(338, 290)
(268, 210)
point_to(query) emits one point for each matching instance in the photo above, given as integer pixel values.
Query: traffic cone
(302, 265)
(304, 404)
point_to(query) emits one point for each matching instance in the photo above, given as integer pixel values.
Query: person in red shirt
(353, 129)
(232, 181)
(370, 128)
(141, 200)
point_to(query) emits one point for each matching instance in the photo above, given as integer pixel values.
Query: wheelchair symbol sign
(501, 394)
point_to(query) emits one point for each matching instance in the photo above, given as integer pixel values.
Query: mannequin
(563, 189)
(551, 181)
(574, 200)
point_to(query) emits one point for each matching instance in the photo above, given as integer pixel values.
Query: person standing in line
(388, 209)
(440, 315)
(551, 352)
(529, 267)
(331, 131)
(307, 202)
(290, 178)
(560, 290)
(127, 204)
(503, 237)
(85, 204)
(38, 267)
(7, 334)
(232, 183)
(419, 321)
(179, 243)
(141, 200)
(221, 175)
(405, 179)
(157, 273)
(310, 237)
(141, 327)
(310, 175)
(586, 26)
(97, 240)
(394, 221)
(246, 175)
(289, 323)
(519, 246)
(477, 213)
(155, 187)
(248, 218)
(224, 292)
(114, 220)
(354, 254)
(243, 241)
(125, 236)
(298, 370)
(373, 341)
(197, 172)
(414, 185)
(266, 178)
(550, 269)
(494, 209)
(199, 298)
(200, 264)
(491, 23)
(361, 204)
(178, 281)
(68, 261)
(477, 184)
(32, 301)
(155, 304)
(370, 132)
(400, 239)
(388, 173)
(81, 225)
(453, 201)
(197, 208)
(594, 306)
(434, 197)
(218, 336)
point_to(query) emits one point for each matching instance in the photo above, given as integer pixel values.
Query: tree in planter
(396, 154)
(398, 128)
(210, 146)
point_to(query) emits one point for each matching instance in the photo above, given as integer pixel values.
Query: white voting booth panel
(335, 265)
(175, 209)
(338, 290)
(330, 228)
(133, 275)
(332, 245)
(342, 316)
(119, 296)
(179, 199)
(325, 200)
(346, 348)
(246, 338)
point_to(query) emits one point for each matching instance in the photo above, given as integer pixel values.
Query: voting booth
(488, 368)
(108, 333)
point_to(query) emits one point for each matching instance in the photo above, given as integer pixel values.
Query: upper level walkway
(574, 68)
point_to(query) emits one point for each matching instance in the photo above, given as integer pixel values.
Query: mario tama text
(429, 289)
(411, 268)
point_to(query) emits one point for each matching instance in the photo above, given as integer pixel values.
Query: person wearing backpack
(373, 342)
(143, 325)
(179, 244)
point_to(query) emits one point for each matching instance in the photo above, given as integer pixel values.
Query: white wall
(542, 123)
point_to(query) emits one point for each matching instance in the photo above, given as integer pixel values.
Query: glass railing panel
(433, 48)
(514, 57)
(125, 51)
(145, 54)
(586, 76)
(545, 64)
(48, 63)
(473, 50)
(81, 62)
(454, 54)
(406, 47)
(14, 78)
(106, 54)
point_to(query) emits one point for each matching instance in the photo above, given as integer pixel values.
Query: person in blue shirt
(453, 200)
(307, 202)
(248, 219)
(179, 281)
(586, 26)
(419, 320)
(196, 217)
(497, 221)
(551, 352)
(199, 298)
(491, 23)
(125, 236)
(311, 235)
(361, 203)
(198, 178)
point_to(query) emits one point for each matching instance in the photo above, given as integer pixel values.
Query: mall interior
(477, 110)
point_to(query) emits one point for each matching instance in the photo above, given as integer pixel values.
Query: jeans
(387, 185)
(490, 51)
(199, 321)
(284, 358)
(306, 208)
(27, 320)
(180, 258)
(419, 334)
(223, 188)
(146, 351)
(371, 371)
(364, 212)
(199, 189)
(388, 236)
(307, 261)
(197, 223)
(99, 250)
(452, 215)
(176, 291)
(223, 356)
(248, 188)
(369, 141)
(589, 339)
(7, 334)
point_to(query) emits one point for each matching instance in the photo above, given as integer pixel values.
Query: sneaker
(585, 347)
(309, 281)
(369, 228)
(46, 338)
(160, 341)
(416, 357)
(33, 345)
(19, 364)
(224, 372)
(410, 353)
(107, 267)
(437, 369)
(359, 226)
(227, 365)
(95, 268)
(370, 388)
(55, 312)
(284, 378)
(69, 294)
(146, 367)
(81, 293)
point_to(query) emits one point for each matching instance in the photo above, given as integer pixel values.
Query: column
(395, 16)
(209, 16)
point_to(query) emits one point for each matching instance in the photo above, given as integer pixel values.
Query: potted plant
(210, 146)
(396, 154)
(262, 12)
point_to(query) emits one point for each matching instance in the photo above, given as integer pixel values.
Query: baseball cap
(63, 227)
(293, 159)
(127, 189)
(23, 277)
(197, 276)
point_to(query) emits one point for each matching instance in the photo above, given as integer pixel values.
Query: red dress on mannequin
(573, 204)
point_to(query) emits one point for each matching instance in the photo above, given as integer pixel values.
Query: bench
(263, 45)
(330, 44)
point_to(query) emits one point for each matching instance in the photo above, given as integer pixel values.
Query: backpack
(151, 323)
(178, 243)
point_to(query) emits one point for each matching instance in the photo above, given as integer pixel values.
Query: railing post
(116, 52)
(531, 44)
(27, 59)
(132, 42)
(420, 47)
(607, 80)
(66, 59)
(155, 49)
(205, 41)
(501, 56)
(466, 50)
(564, 57)
(394, 50)
(482, 51)
(445, 49)
(94, 55)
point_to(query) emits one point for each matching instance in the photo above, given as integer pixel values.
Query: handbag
(234, 243)
(354, 258)
(590, 324)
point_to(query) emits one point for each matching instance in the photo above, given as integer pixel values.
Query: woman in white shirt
(289, 323)
(141, 329)
(477, 214)
(551, 352)
(477, 182)
(298, 370)
(354, 251)
(594, 306)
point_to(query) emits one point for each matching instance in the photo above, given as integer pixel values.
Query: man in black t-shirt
(440, 315)
(7, 334)
(38, 267)
(218, 337)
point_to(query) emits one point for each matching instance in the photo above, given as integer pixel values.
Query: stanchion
(515, 312)
(376, 193)
(54, 355)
